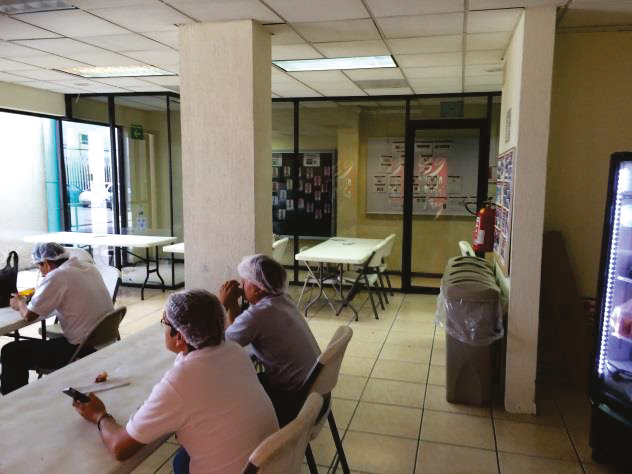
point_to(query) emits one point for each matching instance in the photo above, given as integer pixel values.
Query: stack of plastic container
(469, 307)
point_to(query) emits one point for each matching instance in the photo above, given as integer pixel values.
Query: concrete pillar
(525, 116)
(226, 147)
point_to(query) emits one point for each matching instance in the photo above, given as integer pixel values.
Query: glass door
(446, 168)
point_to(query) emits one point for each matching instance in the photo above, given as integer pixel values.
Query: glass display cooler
(611, 390)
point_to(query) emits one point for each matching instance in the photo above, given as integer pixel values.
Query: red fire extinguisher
(483, 238)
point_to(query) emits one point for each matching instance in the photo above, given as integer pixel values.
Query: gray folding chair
(283, 451)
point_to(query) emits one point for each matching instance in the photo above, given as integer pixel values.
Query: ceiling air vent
(15, 7)
(382, 83)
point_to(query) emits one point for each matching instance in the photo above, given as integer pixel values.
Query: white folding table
(113, 240)
(44, 434)
(11, 322)
(340, 251)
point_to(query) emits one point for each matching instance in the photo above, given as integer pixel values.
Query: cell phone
(76, 395)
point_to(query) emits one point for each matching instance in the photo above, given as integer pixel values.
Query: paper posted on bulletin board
(444, 176)
(504, 203)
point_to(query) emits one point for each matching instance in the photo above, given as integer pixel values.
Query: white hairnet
(197, 315)
(265, 272)
(48, 251)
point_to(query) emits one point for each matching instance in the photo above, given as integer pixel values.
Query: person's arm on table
(114, 436)
(19, 304)
(229, 294)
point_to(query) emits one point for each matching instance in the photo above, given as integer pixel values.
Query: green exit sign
(136, 132)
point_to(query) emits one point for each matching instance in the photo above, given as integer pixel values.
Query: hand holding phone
(76, 395)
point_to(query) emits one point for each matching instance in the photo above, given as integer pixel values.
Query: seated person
(210, 397)
(75, 291)
(278, 334)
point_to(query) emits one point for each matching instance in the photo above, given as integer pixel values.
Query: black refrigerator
(611, 387)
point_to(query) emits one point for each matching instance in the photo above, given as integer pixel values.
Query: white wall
(527, 92)
(29, 99)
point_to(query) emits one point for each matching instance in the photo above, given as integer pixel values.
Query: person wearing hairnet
(72, 288)
(278, 334)
(210, 397)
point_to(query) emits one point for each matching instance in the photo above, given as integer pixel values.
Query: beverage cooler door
(614, 346)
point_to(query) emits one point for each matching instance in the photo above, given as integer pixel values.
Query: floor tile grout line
(568, 433)
(423, 407)
(334, 463)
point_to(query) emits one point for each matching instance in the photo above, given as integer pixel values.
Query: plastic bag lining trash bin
(470, 310)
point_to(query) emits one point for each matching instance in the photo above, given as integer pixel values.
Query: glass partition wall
(385, 177)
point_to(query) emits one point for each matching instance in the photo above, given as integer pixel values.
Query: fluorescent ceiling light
(329, 64)
(14, 7)
(116, 71)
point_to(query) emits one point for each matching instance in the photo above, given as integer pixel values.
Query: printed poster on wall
(504, 194)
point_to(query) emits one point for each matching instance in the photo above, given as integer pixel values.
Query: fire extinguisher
(483, 237)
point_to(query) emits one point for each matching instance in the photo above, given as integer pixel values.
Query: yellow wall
(29, 99)
(590, 119)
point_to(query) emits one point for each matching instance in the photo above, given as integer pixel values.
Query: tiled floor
(390, 403)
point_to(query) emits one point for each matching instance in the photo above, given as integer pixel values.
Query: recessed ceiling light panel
(330, 64)
(117, 71)
(15, 7)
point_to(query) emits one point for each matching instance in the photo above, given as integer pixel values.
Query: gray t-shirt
(280, 338)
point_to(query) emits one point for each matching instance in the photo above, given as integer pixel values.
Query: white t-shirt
(77, 294)
(213, 400)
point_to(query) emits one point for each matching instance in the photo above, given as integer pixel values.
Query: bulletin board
(307, 205)
(504, 203)
(445, 176)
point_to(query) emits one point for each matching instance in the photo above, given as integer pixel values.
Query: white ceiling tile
(352, 48)
(122, 43)
(6, 77)
(387, 91)
(484, 57)
(413, 7)
(51, 62)
(148, 88)
(166, 81)
(331, 91)
(142, 18)
(436, 85)
(280, 77)
(322, 10)
(489, 78)
(490, 21)
(11, 29)
(60, 46)
(283, 34)
(415, 26)
(483, 41)
(425, 72)
(171, 67)
(12, 50)
(155, 57)
(483, 69)
(123, 81)
(435, 44)
(427, 60)
(494, 4)
(299, 90)
(44, 85)
(220, 10)
(103, 58)
(73, 23)
(330, 31)
(294, 51)
(8, 65)
(170, 38)
(90, 4)
(44, 75)
(374, 74)
(320, 76)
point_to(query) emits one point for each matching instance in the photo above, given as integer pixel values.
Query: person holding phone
(73, 289)
(210, 398)
(272, 325)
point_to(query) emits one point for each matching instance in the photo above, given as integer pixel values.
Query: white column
(226, 147)
(527, 98)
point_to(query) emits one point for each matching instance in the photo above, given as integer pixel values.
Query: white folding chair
(104, 333)
(327, 277)
(322, 379)
(278, 249)
(369, 275)
(382, 269)
(283, 451)
(466, 248)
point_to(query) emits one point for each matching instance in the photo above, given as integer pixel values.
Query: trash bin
(470, 310)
